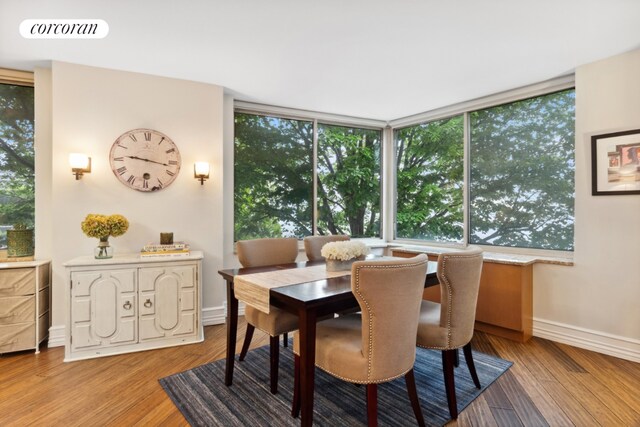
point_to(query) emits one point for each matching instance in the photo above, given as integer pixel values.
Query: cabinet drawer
(19, 336)
(17, 281)
(17, 310)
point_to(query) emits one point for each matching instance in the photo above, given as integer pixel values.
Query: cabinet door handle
(148, 303)
(127, 305)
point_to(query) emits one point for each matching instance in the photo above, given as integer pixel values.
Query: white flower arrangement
(344, 251)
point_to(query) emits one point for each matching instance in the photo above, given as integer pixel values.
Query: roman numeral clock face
(145, 160)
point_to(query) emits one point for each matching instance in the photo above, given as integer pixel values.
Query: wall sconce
(80, 164)
(201, 171)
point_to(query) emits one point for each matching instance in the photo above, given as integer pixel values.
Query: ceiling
(378, 59)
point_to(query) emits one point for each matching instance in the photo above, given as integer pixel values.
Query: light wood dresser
(24, 304)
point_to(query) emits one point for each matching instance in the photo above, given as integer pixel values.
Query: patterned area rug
(204, 400)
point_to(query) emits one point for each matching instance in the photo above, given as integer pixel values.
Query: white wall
(90, 108)
(598, 298)
(593, 304)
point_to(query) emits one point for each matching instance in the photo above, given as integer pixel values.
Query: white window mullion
(315, 177)
(467, 178)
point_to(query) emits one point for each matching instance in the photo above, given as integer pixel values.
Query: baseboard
(217, 315)
(56, 336)
(213, 315)
(613, 345)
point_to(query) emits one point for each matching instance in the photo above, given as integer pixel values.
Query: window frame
(317, 118)
(464, 109)
(20, 78)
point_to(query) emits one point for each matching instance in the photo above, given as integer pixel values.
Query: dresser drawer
(17, 281)
(17, 310)
(19, 336)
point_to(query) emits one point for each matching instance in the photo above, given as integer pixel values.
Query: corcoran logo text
(64, 29)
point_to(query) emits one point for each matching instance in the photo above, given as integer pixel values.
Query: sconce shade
(201, 171)
(80, 164)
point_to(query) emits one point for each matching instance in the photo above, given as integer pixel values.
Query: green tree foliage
(17, 187)
(522, 173)
(273, 177)
(429, 181)
(348, 181)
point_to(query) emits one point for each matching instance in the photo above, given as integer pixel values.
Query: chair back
(313, 245)
(389, 293)
(261, 252)
(459, 276)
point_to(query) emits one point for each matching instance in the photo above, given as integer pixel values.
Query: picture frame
(615, 163)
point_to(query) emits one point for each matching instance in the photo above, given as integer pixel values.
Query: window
(274, 173)
(273, 177)
(348, 181)
(429, 181)
(522, 173)
(17, 185)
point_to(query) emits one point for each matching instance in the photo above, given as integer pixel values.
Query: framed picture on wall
(615, 163)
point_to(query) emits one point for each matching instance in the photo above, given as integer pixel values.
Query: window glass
(429, 179)
(348, 181)
(522, 173)
(17, 185)
(273, 177)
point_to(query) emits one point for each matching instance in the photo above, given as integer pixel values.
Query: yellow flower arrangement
(103, 226)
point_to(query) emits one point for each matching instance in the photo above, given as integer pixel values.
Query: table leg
(307, 330)
(232, 331)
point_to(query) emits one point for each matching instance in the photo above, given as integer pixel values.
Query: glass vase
(339, 265)
(103, 250)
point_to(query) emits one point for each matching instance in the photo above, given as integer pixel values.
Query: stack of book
(177, 249)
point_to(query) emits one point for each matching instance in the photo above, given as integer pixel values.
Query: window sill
(489, 256)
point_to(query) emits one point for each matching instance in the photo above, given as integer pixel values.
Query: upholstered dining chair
(449, 325)
(313, 245)
(379, 345)
(258, 253)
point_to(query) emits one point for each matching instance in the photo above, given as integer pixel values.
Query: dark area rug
(204, 400)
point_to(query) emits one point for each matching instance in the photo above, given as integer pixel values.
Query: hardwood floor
(549, 384)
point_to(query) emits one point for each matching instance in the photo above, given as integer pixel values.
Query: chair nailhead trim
(369, 313)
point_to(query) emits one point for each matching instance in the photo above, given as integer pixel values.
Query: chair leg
(274, 347)
(285, 339)
(247, 340)
(468, 356)
(448, 357)
(456, 361)
(295, 406)
(410, 379)
(372, 405)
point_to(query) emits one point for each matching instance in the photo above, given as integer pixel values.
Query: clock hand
(147, 160)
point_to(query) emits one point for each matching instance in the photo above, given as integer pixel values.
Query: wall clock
(145, 159)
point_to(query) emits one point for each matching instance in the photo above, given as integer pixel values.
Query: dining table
(310, 301)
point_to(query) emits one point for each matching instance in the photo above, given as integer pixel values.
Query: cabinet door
(103, 308)
(167, 303)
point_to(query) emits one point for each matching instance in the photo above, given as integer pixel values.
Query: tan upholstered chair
(313, 245)
(258, 253)
(449, 325)
(379, 345)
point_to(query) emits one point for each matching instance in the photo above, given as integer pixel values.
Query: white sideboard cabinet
(130, 303)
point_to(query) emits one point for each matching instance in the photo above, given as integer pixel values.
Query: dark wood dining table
(310, 301)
